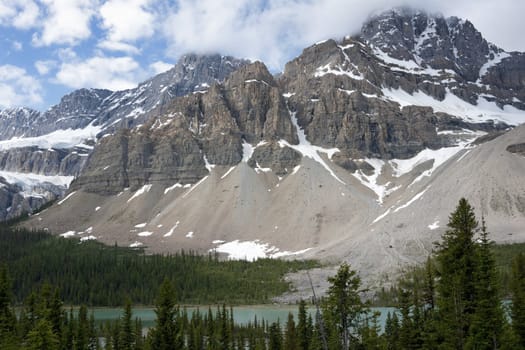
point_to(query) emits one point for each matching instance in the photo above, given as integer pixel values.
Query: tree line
(99, 275)
(453, 302)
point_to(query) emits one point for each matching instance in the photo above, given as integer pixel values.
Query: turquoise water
(241, 314)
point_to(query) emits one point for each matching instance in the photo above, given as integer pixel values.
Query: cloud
(118, 46)
(17, 88)
(21, 14)
(65, 22)
(160, 67)
(113, 73)
(276, 30)
(127, 20)
(44, 67)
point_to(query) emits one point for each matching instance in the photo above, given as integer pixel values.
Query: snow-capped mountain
(56, 143)
(357, 151)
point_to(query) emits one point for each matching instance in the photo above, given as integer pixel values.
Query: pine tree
(164, 336)
(456, 257)
(275, 341)
(518, 299)
(488, 319)
(391, 333)
(304, 330)
(344, 309)
(42, 337)
(127, 334)
(291, 341)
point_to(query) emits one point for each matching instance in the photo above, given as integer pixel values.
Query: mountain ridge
(329, 159)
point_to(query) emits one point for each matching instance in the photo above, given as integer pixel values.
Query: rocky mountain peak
(430, 40)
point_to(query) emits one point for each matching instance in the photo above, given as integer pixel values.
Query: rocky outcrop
(68, 162)
(518, 148)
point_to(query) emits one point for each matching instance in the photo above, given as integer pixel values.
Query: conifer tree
(127, 334)
(518, 299)
(165, 336)
(42, 337)
(7, 315)
(291, 341)
(456, 257)
(488, 319)
(304, 330)
(344, 309)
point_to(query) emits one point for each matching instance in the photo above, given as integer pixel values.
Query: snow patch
(189, 234)
(308, 150)
(171, 188)
(228, 172)
(415, 198)
(141, 225)
(68, 234)
(97, 208)
(170, 232)
(135, 244)
(57, 139)
(251, 250)
(194, 186)
(434, 225)
(145, 234)
(142, 190)
(87, 238)
(66, 198)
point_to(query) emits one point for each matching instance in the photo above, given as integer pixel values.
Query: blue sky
(51, 47)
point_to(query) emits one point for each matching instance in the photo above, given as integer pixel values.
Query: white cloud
(118, 46)
(44, 67)
(160, 67)
(113, 73)
(21, 14)
(66, 22)
(275, 30)
(127, 20)
(17, 88)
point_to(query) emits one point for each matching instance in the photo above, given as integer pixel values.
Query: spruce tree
(164, 336)
(7, 315)
(456, 257)
(291, 341)
(127, 334)
(304, 330)
(344, 309)
(488, 319)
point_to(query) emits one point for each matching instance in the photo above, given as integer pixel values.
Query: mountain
(358, 151)
(55, 144)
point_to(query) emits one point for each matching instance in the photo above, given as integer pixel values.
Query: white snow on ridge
(57, 139)
(491, 63)
(251, 250)
(228, 172)
(308, 150)
(140, 191)
(145, 234)
(482, 112)
(171, 188)
(415, 198)
(29, 181)
(247, 151)
(66, 198)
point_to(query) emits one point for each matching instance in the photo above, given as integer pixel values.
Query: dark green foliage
(456, 257)
(94, 274)
(518, 299)
(344, 311)
(487, 323)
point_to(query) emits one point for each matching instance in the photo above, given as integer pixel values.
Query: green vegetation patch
(95, 274)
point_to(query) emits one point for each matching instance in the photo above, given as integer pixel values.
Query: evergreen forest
(453, 302)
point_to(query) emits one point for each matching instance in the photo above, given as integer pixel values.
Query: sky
(51, 47)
